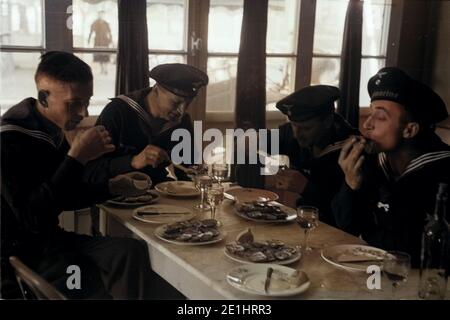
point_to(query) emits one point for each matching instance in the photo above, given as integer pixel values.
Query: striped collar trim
(32, 133)
(415, 164)
(136, 107)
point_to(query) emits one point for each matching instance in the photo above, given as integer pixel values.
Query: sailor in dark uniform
(392, 173)
(41, 177)
(141, 123)
(312, 140)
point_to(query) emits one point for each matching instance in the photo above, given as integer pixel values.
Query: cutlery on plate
(268, 278)
(156, 213)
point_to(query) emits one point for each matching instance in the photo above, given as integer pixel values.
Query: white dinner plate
(346, 256)
(177, 189)
(285, 281)
(163, 214)
(155, 198)
(250, 195)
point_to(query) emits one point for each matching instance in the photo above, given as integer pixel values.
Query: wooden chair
(32, 285)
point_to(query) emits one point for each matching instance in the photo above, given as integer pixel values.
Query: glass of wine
(396, 266)
(215, 198)
(308, 220)
(220, 172)
(202, 182)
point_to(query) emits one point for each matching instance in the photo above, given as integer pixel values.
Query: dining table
(200, 271)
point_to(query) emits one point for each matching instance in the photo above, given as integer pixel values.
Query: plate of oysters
(246, 250)
(149, 197)
(193, 232)
(269, 212)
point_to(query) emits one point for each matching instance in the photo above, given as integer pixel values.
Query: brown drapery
(349, 80)
(251, 69)
(250, 109)
(132, 57)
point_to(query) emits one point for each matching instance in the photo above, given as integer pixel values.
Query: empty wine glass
(220, 172)
(215, 198)
(396, 266)
(202, 182)
(307, 219)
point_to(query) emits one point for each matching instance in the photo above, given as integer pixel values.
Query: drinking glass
(214, 198)
(308, 220)
(202, 182)
(396, 266)
(220, 172)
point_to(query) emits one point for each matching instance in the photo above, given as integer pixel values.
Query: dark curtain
(349, 81)
(132, 58)
(251, 82)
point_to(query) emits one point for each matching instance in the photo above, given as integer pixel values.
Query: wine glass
(220, 172)
(396, 266)
(307, 219)
(202, 182)
(214, 198)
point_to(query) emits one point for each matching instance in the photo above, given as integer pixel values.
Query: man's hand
(290, 180)
(150, 156)
(130, 184)
(90, 144)
(351, 160)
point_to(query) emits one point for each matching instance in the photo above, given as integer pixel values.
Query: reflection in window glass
(329, 27)
(375, 26)
(21, 22)
(166, 24)
(95, 24)
(224, 25)
(104, 80)
(280, 79)
(369, 67)
(282, 26)
(221, 90)
(157, 59)
(325, 71)
(19, 84)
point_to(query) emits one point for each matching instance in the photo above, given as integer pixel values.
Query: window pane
(282, 26)
(325, 71)
(19, 82)
(95, 24)
(329, 26)
(369, 67)
(375, 27)
(280, 79)
(221, 90)
(224, 25)
(21, 22)
(157, 59)
(166, 20)
(104, 79)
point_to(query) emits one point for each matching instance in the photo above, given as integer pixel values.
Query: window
(95, 35)
(281, 49)
(223, 50)
(22, 43)
(376, 17)
(167, 32)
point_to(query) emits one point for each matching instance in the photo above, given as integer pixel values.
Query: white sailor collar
(414, 165)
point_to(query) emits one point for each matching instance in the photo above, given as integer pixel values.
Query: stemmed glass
(202, 182)
(220, 172)
(396, 266)
(307, 219)
(214, 198)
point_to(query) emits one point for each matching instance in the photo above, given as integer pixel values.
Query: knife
(268, 278)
